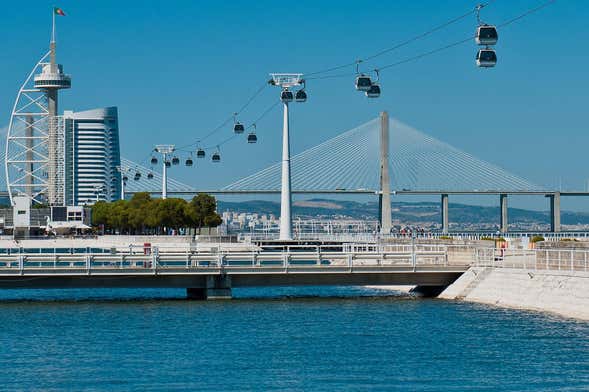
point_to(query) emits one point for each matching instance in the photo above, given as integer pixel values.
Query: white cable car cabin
(200, 153)
(238, 128)
(486, 35)
(373, 91)
(363, 83)
(286, 96)
(486, 58)
(301, 96)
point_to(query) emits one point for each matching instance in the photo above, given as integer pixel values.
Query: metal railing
(375, 237)
(535, 259)
(320, 258)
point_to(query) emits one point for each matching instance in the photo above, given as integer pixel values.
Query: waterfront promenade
(554, 278)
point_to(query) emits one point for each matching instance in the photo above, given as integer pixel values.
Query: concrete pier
(503, 224)
(217, 287)
(444, 210)
(555, 212)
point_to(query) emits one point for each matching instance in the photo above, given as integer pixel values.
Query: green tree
(138, 211)
(118, 218)
(203, 211)
(171, 213)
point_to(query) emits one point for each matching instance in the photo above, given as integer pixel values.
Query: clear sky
(177, 69)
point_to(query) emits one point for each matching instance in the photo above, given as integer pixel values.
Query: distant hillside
(405, 212)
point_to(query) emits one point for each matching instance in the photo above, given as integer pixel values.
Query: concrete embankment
(561, 292)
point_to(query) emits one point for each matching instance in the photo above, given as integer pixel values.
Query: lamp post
(123, 181)
(285, 82)
(98, 189)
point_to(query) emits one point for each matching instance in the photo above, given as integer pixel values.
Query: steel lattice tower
(34, 162)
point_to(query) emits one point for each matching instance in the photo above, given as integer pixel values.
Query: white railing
(375, 236)
(535, 259)
(365, 254)
(320, 258)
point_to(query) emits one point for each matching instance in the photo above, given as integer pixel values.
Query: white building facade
(92, 155)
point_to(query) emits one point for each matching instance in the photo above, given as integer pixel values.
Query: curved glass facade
(92, 154)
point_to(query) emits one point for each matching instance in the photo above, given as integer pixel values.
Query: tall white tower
(286, 82)
(34, 164)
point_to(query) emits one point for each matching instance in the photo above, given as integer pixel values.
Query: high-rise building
(92, 155)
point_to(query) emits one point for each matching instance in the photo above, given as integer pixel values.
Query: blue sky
(178, 69)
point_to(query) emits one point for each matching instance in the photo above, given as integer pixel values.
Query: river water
(312, 339)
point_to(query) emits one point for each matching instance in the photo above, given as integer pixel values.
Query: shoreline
(562, 293)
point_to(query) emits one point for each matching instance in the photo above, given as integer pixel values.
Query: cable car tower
(35, 162)
(287, 82)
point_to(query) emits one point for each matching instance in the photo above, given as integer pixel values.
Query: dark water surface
(316, 339)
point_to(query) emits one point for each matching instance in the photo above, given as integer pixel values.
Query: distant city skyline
(177, 72)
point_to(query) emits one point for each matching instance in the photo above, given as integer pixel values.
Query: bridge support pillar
(444, 213)
(384, 198)
(503, 222)
(217, 287)
(555, 212)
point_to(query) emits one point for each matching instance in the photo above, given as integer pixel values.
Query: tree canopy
(144, 215)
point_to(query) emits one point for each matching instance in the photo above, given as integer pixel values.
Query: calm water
(283, 340)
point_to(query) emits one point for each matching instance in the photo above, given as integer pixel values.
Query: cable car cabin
(175, 161)
(301, 96)
(200, 153)
(363, 83)
(486, 58)
(137, 176)
(238, 127)
(154, 161)
(168, 164)
(374, 91)
(216, 157)
(486, 35)
(286, 96)
(189, 162)
(252, 138)
(149, 176)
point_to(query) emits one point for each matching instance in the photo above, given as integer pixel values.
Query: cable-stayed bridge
(418, 162)
(351, 163)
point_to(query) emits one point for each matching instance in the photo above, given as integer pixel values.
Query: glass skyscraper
(92, 155)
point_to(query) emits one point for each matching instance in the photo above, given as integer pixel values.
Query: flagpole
(53, 24)
(52, 43)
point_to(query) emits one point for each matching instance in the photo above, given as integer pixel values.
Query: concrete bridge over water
(212, 274)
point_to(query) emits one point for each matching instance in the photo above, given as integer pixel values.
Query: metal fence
(162, 259)
(535, 259)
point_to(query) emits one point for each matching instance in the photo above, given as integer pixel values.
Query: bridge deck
(245, 269)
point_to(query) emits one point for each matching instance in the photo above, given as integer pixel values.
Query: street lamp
(98, 190)
(286, 82)
(123, 181)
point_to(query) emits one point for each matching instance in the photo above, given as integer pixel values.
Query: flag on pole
(58, 11)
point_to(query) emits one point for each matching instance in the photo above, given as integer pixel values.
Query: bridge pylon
(384, 197)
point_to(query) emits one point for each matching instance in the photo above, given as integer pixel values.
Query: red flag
(58, 11)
